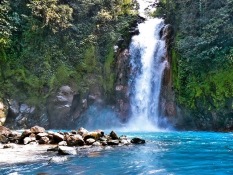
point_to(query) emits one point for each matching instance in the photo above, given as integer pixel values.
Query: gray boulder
(90, 141)
(65, 150)
(75, 140)
(37, 129)
(44, 140)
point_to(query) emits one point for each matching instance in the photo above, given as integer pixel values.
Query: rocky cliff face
(182, 117)
(63, 107)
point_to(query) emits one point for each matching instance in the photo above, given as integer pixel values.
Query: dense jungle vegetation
(202, 52)
(47, 43)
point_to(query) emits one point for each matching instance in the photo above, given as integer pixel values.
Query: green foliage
(202, 55)
(56, 16)
(50, 43)
(109, 76)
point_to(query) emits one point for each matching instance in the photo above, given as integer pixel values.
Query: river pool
(165, 153)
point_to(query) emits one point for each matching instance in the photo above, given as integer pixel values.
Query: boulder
(75, 140)
(3, 139)
(113, 142)
(32, 137)
(93, 135)
(104, 143)
(73, 132)
(96, 144)
(44, 140)
(38, 136)
(82, 131)
(37, 129)
(62, 143)
(103, 139)
(26, 140)
(61, 99)
(5, 131)
(65, 150)
(113, 135)
(58, 137)
(138, 141)
(90, 141)
(26, 133)
(101, 132)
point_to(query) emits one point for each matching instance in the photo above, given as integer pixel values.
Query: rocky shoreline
(18, 147)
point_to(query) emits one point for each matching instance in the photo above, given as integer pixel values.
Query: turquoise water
(173, 153)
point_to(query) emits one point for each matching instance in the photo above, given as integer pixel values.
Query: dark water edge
(175, 153)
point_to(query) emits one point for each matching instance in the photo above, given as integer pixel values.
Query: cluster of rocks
(65, 141)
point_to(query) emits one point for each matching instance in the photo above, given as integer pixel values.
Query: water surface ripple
(165, 153)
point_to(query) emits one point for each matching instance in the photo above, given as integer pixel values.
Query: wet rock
(55, 148)
(14, 137)
(38, 136)
(5, 131)
(96, 144)
(61, 99)
(138, 141)
(44, 140)
(26, 140)
(10, 145)
(75, 140)
(100, 132)
(125, 142)
(123, 137)
(65, 150)
(62, 143)
(104, 143)
(113, 142)
(26, 133)
(3, 139)
(103, 139)
(93, 135)
(32, 137)
(58, 137)
(82, 131)
(73, 132)
(37, 129)
(113, 135)
(90, 141)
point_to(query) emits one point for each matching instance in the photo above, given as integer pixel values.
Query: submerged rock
(65, 150)
(138, 141)
(113, 142)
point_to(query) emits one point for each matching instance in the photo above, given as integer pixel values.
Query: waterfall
(146, 53)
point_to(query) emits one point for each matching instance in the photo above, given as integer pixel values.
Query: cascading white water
(146, 51)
